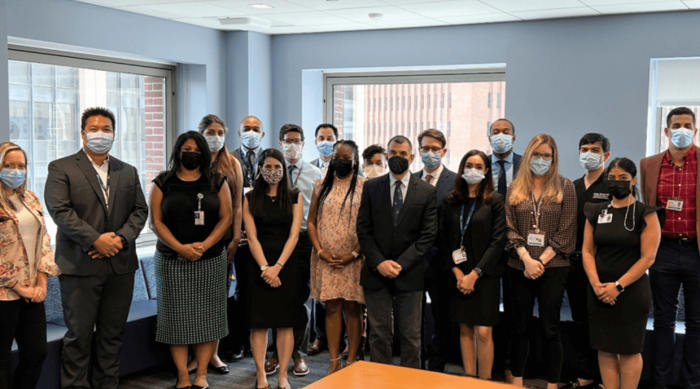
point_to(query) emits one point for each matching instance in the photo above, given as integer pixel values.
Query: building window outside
(498, 101)
(489, 103)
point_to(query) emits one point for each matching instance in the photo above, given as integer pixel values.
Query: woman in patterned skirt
(190, 212)
(336, 262)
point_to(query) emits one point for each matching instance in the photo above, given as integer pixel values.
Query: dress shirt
(435, 174)
(678, 183)
(404, 185)
(496, 168)
(303, 177)
(103, 172)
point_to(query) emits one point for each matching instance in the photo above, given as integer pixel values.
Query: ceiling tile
(531, 5)
(192, 10)
(450, 8)
(361, 15)
(692, 4)
(476, 19)
(124, 3)
(280, 6)
(641, 7)
(556, 13)
(594, 3)
(342, 27)
(314, 18)
(145, 10)
(323, 5)
(403, 2)
(425, 22)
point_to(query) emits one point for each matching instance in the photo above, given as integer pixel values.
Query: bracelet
(320, 252)
(279, 263)
(539, 260)
(13, 286)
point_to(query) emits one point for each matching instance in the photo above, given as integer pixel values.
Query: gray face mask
(539, 166)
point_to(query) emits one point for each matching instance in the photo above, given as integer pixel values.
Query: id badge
(605, 217)
(247, 189)
(459, 256)
(198, 218)
(535, 239)
(674, 205)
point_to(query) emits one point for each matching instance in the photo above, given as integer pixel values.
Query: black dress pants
(26, 323)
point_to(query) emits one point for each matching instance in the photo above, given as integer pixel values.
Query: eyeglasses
(292, 141)
(547, 156)
(434, 150)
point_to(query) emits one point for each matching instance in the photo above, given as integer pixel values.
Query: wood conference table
(368, 375)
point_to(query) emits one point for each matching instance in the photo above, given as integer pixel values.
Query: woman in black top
(272, 213)
(619, 245)
(472, 233)
(190, 212)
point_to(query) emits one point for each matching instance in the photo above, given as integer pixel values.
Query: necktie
(291, 169)
(398, 201)
(249, 161)
(502, 185)
(429, 178)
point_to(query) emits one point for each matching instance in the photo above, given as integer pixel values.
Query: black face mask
(619, 189)
(398, 165)
(191, 160)
(342, 167)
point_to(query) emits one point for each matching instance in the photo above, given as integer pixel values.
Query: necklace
(273, 198)
(634, 212)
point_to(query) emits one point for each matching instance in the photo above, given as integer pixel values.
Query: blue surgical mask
(13, 178)
(325, 148)
(251, 139)
(590, 161)
(473, 176)
(539, 166)
(501, 143)
(431, 160)
(99, 142)
(215, 142)
(682, 137)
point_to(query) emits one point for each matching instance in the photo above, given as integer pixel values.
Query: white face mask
(473, 176)
(501, 143)
(590, 161)
(292, 151)
(374, 171)
(99, 142)
(215, 142)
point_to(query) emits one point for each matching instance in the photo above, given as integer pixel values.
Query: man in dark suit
(433, 147)
(396, 227)
(505, 165)
(251, 131)
(670, 180)
(99, 208)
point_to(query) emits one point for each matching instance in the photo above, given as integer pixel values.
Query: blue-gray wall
(564, 77)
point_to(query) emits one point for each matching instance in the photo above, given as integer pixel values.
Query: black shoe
(577, 385)
(218, 370)
(184, 387)
(198, 387)
(237, 354)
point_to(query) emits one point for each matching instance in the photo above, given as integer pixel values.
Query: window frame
(117, 65)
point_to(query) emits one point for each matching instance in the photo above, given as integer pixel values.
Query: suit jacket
(445, 184)
(75, 201)
(241, 159)
(317, 162)
(488, 235)
(649, 170)
(516, 164)
(407, 242)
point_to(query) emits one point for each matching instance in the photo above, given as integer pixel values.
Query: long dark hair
(627, 165)
(330, 174)
(204, 167)
(225, 162)
(484, 191)
(260, 186)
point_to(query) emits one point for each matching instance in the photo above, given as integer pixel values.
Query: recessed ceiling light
(261, 6)
(375, 16)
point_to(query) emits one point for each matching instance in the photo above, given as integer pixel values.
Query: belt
(679, 241)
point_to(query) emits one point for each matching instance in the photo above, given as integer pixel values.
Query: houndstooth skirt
(191, 300)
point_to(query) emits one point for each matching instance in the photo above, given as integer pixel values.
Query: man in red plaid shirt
(670, 180)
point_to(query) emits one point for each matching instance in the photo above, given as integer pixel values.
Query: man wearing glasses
(301, 176)
(433, 147)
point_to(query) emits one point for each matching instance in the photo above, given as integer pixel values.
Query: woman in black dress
(473, 255)
(190, 212)
(620, 243)
(272, 213)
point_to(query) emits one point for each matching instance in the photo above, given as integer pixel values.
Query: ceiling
(309, 16)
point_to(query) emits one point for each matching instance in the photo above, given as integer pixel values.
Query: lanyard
(463, 226)
(537, 207)
(105, 189)
(300, 169)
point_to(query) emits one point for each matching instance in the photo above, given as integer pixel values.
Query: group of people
(365, 239)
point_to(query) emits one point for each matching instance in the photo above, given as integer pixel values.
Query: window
(498, 101)
(48, 92)
(674, 83)
(436, 92)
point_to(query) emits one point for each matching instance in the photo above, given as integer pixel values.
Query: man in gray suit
(98, 205)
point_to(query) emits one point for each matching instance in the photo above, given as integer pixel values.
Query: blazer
(75, 201)
(649, 170)
(317, 162)
(237, 153)
(444, 185)
(516, 164)
(407, 242)
(488, 235)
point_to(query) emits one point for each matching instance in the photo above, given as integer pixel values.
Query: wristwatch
(478, 272)
(262, 268)
(619, 287)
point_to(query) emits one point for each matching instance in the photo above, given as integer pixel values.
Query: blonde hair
(5, 148)
(522, 186)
